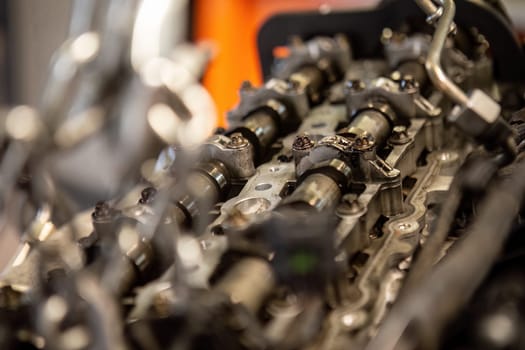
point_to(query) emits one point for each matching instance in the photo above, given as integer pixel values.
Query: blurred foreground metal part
(367, 196)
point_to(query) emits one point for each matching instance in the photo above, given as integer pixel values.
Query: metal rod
(433, 63)
(428, 6)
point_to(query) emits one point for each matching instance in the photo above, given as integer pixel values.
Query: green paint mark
(303, 262)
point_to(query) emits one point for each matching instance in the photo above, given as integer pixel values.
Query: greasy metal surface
(367, 297)
(331, 178)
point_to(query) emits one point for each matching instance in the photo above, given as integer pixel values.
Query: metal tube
(427, 6)
(433, 63)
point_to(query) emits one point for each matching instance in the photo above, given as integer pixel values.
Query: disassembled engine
(367, 196)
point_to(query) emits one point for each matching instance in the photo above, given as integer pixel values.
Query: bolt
(219, 131)
(246, 85)
(407, 82)
(102, 210)
(387, 35)
(448, 158)
(399, 135)
(147, 195)
(406, 227)
(354, 320)
(277, 85)
(400, 130)
(363, 142)
(355, 85)
(302, 143)
(395, 75)
(237, 141)
(293, 84)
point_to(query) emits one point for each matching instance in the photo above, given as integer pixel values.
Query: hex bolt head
(387, 35)
(237, 141)
(102, 210)
(246, 85)
(407, 82)
(302, 143)
(293, 85)
(399, 135)
(363, 142)
(396, 76)
(219, 131)
(355, 85)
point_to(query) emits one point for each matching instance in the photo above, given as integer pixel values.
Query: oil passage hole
(217, 230)
(263, 187)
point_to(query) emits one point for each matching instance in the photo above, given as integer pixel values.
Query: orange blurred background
(231, 26)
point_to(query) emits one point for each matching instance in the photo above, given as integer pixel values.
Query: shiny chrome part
(218, 172)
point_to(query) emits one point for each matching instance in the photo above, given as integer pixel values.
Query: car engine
(367, 195)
